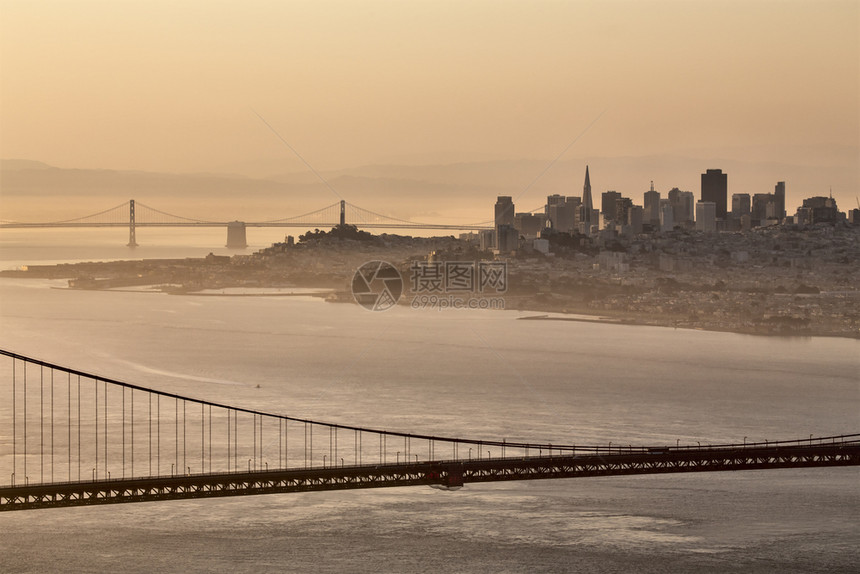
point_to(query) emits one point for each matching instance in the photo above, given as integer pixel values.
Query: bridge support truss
(82, 439)
(443, 474)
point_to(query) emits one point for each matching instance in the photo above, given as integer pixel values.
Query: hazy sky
(174, 86)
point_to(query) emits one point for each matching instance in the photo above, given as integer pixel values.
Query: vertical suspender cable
(69, 405)
(14, 424)
(25, 423)
(96, 387)
(52, 425)
(132, 433)
(79, 428)
(123, 432)
(106, 430)
(41, 423)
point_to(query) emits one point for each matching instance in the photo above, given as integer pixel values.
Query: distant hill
(20, 164)
(457, 192)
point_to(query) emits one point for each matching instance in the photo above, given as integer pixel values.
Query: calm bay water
(468, 373)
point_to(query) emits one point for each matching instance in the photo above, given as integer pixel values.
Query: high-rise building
(587, 205)
(706, 212)
(622, 209)
(504, 214)
(607, 205)
(779, 200)
(758, 211)
(715, 189)
(822, 210)
(504, 210)
(554, 199)
(529, 224)
(740, 205)
(507, 238)
(683, 206)
(667, 219)
(651, 204)
(563, 215)
(634, 219)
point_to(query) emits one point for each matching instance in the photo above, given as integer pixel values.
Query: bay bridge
(134, 214)
(73, 438)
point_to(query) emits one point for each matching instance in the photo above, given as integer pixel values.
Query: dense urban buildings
(620, 219)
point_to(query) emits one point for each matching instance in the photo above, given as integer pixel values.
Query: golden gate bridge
(134, 214)
(73, 438)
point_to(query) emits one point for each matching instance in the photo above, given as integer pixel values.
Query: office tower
(607, 205)
(634, 218)
(529, 224)
(487, 239)
(574, 204)
(553, 199)
(504, 210)
(551, 209)
(622, 209)
(667, 219)
(706, 212)
(758, 211)
(779, 200)
(504, 215)
(587, 205)
(715, 190)
(822, 210)
(507, 238)
(740, 205)
(563, 215)
(651, 205)
(683, 206)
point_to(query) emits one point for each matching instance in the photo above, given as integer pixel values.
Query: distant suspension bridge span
(71, 438)
(136, 215)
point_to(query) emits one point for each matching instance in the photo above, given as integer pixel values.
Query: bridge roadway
(843, 451)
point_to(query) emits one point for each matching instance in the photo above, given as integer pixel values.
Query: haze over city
(641, 91)
(468, 286)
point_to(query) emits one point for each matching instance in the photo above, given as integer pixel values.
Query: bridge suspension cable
(165, 217)
(80, 438)
(117, 214)
(322, 214)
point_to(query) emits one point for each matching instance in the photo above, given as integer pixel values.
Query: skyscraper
(587, 205)
(504, 216)
(740, 205)
(779, 200)
(651, 204)
(758, 211)
(504, 210)
(683, 206)
(706, 216)
(715, 189)
(607, 205)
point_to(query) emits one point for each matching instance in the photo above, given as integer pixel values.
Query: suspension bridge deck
(841, 451)
(80, 439)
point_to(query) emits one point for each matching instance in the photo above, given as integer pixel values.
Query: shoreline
(215, 277)
(714, 329)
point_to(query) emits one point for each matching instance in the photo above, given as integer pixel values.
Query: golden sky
(174, 85)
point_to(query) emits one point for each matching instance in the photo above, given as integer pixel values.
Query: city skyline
(346, 85)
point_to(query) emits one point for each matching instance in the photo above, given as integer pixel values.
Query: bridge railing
(59, 424)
